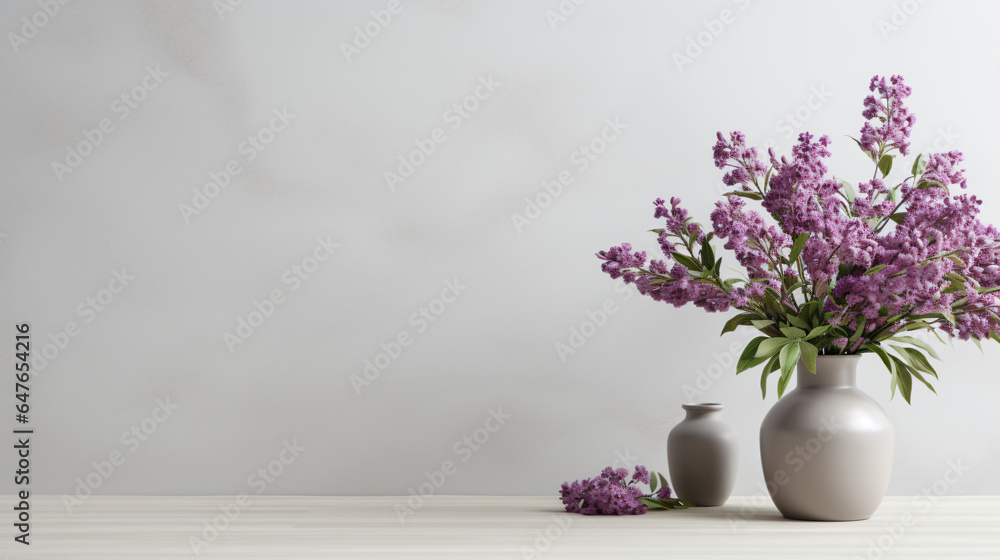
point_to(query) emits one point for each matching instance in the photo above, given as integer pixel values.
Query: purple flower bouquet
(829, 268)
(614, 493)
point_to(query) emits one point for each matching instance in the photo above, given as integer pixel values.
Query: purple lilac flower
(641, 475)
(896, 120)
(867, 204)
(890, 251)
(610, 493)
(618, 261)
(941, 168)
(744, 163)
(730, 220)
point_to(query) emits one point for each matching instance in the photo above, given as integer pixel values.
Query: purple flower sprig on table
(828, 268)
(614, 493)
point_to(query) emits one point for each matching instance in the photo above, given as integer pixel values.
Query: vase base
(829, 520)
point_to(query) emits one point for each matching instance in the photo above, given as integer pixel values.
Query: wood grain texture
(287, 527)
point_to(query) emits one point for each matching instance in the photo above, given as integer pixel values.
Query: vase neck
(706, 411)
(831, 372)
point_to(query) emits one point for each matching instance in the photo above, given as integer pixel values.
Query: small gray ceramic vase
(702, 453)
(826, 447)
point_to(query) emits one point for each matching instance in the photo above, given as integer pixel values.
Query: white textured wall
(492, 346)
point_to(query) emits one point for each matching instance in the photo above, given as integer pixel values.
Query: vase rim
(705, 406)
(824, 356)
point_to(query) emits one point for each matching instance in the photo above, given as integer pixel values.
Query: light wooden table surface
(107, 527)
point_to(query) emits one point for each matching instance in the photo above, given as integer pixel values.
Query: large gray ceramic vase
(826, 447)
(702, 454)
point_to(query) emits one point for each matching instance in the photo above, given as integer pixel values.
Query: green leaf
(809, 354)
(867, 153)
(919, 324)
(882, 354)
(874, 269)
(948, 316)
(796, 286)
(749, 357)
(663, 481)
(983, 290)
(978, 344)
(770, 346)
(926, 184)
(861, 329)
(885, 164)
(904, 378)
(918, 343)
(889, 365)
(653, 482)
(941, 340)
(653, 503)
(817, 331)
(793, 332)
(848, 188)
(707, 255)
(798, 322)
(916, 373)
(788, 358)
(666, 503)
(751, 195)
(768, 369)
(812, 312)
(771, 303)
(915, 359)
(690, 263)
(737, 321)
(800, 242)
(762, 323)
(898, 217)
(916, 169)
